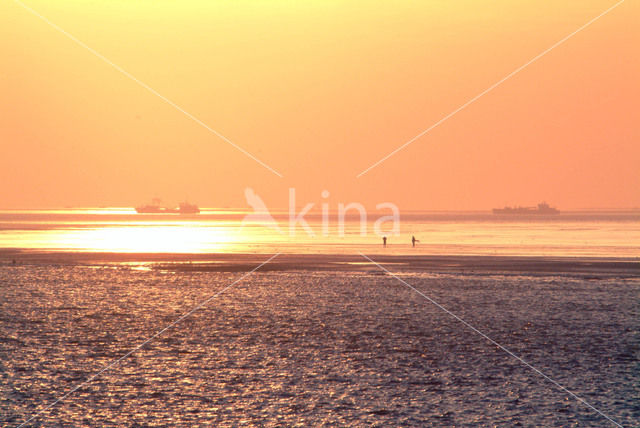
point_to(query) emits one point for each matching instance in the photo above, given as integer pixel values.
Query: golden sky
(319, 91)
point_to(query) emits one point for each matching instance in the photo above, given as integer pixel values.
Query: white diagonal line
(583, 401)
(490, 88)
(147, 87)
(113, 363)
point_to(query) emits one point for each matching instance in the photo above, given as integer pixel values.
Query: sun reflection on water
(121, 230)
(147, 239)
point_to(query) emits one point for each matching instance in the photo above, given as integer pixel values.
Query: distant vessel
(187, 208)
(156, 207)
(542, 208)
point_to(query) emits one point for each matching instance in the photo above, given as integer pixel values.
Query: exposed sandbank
(588, 267)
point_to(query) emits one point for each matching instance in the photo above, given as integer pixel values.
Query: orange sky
(320, 90)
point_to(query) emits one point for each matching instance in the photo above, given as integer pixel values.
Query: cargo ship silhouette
(156, 207)
(542, 208)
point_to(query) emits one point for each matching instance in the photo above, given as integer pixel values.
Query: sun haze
(319, 91)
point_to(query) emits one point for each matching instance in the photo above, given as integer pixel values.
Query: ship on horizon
(542, 208)
(156, 207)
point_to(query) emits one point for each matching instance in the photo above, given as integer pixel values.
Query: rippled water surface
(315, 349)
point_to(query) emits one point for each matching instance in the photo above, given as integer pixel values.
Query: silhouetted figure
(413, 241)
(384, 241)
(13, 261)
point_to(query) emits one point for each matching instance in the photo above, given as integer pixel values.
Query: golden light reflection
(149, 239)
(225, 231)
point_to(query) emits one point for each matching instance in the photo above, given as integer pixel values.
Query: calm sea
(346, 346)
(593, 234)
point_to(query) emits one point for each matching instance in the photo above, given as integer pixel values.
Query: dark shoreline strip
(586, 267)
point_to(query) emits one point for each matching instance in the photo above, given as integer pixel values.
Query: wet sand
(586, 267)
(317, 341)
